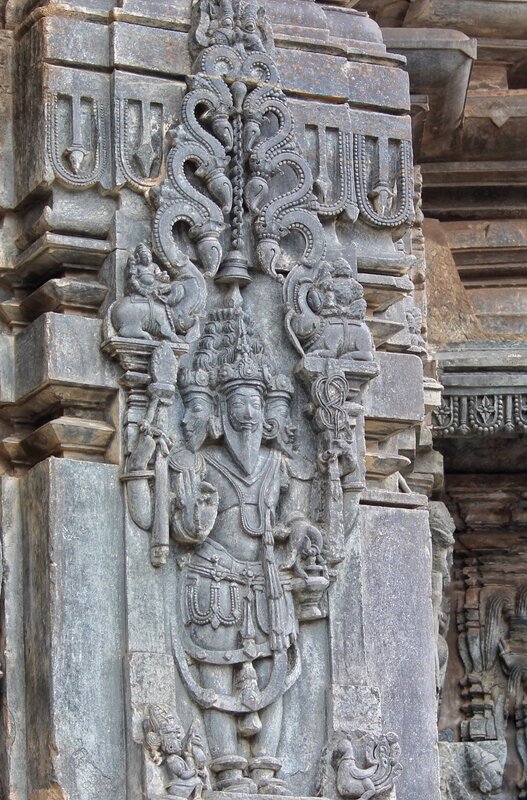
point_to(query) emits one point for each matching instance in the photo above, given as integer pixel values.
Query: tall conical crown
(230, 351)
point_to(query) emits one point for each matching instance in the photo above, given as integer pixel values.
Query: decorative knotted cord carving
(330, 394)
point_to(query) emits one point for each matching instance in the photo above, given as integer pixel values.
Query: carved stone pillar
(218, 581)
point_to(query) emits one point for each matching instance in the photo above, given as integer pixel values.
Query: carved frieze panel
(327, 141)
(362, 168)
(361, 162)
(78, 130)
(481, 414)
(143, 111)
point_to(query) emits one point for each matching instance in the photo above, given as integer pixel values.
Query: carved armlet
(137, 474)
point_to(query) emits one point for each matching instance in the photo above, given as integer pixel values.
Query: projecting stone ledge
(485, 390)
(445, 87)
(506, 18)
(249, 796)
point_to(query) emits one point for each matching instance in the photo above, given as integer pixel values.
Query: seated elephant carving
(158, 305)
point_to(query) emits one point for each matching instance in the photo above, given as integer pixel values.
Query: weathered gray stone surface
(74, 615)
(399, 638)
(212, 391)
(13, 754)
(470, 769)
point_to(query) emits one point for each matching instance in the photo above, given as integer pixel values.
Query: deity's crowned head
(279, 424)
(165, 729)
(232, 354)
(198, 400)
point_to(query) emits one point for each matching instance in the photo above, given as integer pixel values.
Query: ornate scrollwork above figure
(279, 206)
(270, 177)
(200, 143)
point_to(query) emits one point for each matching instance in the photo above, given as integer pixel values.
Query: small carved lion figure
(326, 312)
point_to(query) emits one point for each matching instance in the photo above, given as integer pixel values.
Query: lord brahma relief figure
(248, 529)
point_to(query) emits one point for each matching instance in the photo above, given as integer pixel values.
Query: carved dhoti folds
(229, 620)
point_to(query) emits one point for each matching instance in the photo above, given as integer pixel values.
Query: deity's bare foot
(229, 775)
(263, 771)
(273, 786)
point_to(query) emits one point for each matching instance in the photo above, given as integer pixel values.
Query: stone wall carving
(208, 380)
(487, 596)
(175, 760)
(471, 771)
(481, 414)
(340, 773)
(442, 528)
(78, 138)
(158, 304)
(256, 526)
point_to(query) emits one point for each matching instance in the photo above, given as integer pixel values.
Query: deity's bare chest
(245, 498)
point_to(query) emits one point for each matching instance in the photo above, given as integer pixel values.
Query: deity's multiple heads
(231, 388)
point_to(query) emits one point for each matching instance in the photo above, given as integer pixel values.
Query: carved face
(171, 741)
(278, 414)
(243, 421)
(245, 409)
(195, 422)
(345, 292)
(327, 288)
(144, 258)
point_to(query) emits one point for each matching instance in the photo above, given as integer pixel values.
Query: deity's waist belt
(215, 563)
